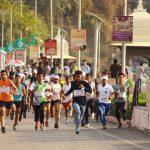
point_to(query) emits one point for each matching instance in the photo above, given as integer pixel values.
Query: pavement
(64, 138)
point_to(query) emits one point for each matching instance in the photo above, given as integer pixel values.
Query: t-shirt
(121, 90)
(90, 95)
(139, 72)
(66, 88)
(19, 94)
(39, 94)
(5, 87)
(104, 93)
(56, 87)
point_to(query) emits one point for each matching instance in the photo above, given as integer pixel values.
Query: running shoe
(120, 125)
(77, 130)
(3, 129)
(56, 126)
(14, 128)
(36, 126)
(87, 125)
(42, 127)
(104, 127)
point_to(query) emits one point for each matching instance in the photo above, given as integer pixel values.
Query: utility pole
(51, 25)
(79, 27)
(35, 14)
(123, 44)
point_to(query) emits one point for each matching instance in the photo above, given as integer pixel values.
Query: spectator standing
(139, 74)
(115, 70)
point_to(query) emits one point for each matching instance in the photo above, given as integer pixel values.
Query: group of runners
(46, 94)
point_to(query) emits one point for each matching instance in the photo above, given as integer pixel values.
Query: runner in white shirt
(48, 94)
(104, 93)
(67, 102)
(90, 98)
(56, 99)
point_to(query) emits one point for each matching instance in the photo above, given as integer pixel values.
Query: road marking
(118, 138)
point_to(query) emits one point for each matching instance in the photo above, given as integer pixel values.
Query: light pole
(3, 13)
(35, 14)
(79, 27)
(123, 44)
(97, 40)
(11, 22)
(51, 24)
(21, 16)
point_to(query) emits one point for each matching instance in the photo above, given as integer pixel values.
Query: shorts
(7, 105)
(53, 102)
(18, 104)
(67, 104)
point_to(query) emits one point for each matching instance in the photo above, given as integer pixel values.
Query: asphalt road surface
(64, 138)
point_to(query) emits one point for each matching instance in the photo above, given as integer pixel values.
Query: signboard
(20, 55)
(50, 47)
(10, 47)
(78, 39)
(33, 52)
(2, 58)
(122, 29)
(33, 40)
(20, 44)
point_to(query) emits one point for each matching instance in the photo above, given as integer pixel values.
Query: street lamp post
(35, 14)
(79, 27)
(3, 13)
(51, 25)
(123, 44)
(11, 22)
(97, 38)
(21, 16)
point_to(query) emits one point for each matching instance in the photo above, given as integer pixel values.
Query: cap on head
(56, 77)
(35, 71)
(104, 78)
(47, 79)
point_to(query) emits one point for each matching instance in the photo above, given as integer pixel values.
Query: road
(64, 138)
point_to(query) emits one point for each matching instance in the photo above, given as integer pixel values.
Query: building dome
(141, 24)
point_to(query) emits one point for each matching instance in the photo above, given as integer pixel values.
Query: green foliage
(24, 23)
(130, 83)
(142, 98)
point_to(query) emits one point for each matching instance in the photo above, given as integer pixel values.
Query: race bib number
(78, 93)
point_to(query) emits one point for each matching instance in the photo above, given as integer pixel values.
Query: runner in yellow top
(7, 88)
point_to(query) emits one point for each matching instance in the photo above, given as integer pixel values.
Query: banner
(50, 47)
(20, 55)
(78, 39)
(122, 29)
(2, 58)
(33, 52)
(20, 44)
(9, 57)
(33, 40)
(10, 47)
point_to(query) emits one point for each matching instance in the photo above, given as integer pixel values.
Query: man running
(121, 93)
(18, 99)
(56, 99)
(67, 102)
(7, 88)
(104, 92)
(79, 89)
(38, 89)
